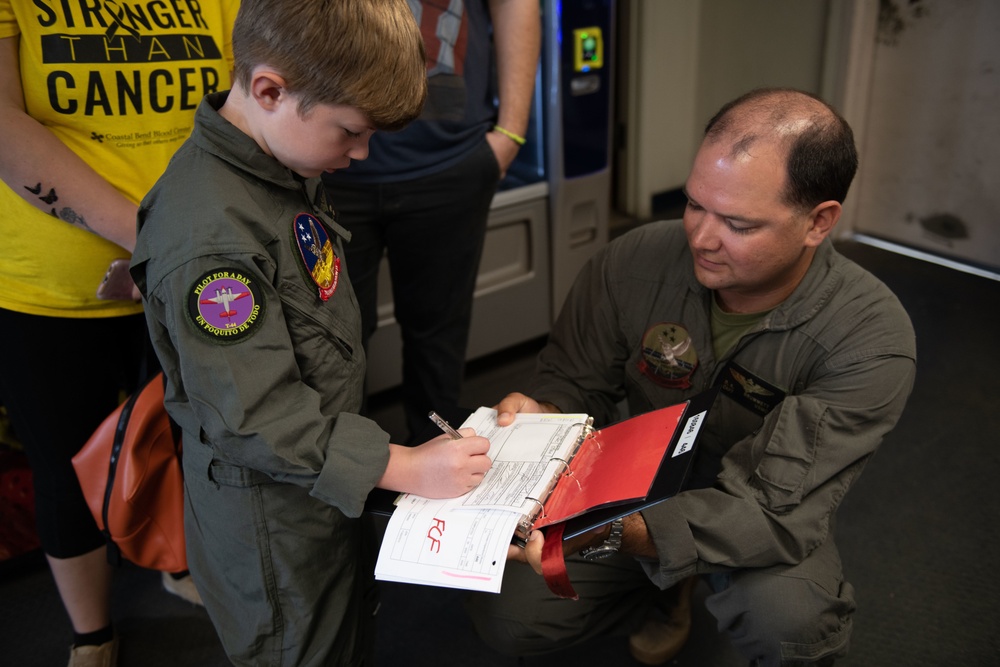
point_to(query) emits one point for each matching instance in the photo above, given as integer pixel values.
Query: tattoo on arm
(47, 198)
(72, 217)
(66, 214)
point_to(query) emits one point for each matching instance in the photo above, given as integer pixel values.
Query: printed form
(462, 542)
(527, 455)
(546, 469)
(425, 543)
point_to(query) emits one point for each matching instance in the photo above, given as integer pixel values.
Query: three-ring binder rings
(547, 469)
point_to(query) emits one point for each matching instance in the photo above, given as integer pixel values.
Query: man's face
(748, 244)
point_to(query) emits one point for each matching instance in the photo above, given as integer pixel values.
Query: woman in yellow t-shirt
(93, 102)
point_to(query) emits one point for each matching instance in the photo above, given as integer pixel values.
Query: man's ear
(823, 219)
(268, 89)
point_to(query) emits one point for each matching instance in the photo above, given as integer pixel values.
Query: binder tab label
(686, 442)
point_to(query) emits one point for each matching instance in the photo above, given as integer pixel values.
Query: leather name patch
(749, 390)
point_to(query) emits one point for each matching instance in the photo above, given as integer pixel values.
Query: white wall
(930, 150)
(686, 58)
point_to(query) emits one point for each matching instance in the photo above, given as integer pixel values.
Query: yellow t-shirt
(118, 83)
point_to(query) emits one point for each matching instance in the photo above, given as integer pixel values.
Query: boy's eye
(352, 135)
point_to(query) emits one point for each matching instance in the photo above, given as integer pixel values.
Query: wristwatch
(609, 547)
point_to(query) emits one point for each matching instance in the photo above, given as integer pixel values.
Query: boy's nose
(359, 151)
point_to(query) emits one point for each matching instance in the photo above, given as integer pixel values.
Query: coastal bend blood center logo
(226, 305)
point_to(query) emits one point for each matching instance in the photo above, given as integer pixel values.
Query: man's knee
(505, 637)
(504, 632)
(527, 619)
(778, 620)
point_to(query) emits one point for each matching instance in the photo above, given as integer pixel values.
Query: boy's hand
(439, 468)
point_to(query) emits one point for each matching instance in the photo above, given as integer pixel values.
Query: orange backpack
(130, 472)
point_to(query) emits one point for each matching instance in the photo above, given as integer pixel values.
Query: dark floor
(918, 534)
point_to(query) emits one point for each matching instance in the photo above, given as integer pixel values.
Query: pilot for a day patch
(226, 305)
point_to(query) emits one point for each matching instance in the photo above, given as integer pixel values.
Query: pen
(445, 426)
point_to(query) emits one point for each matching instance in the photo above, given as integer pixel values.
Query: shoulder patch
(226, 305)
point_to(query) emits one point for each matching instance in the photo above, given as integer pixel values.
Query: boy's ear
(268, 89)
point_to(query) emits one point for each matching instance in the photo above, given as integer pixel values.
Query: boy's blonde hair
(367, 54)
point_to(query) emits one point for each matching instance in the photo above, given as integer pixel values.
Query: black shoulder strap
(114, 555)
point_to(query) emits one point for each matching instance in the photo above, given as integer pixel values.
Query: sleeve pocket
(789, 457)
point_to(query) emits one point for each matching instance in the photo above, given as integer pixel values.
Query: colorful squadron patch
(226, 305)
(316, 249)
(668, 355)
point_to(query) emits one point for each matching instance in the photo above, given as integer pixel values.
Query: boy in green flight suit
(258, 330)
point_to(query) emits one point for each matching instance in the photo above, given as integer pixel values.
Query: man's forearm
(517, 39)
(636, 540)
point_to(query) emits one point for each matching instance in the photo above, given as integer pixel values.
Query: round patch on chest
(668, 355)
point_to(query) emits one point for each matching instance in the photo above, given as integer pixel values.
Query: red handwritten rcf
(433, 533)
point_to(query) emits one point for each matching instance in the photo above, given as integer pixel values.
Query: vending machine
(551, 212)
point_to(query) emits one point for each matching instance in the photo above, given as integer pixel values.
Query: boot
(661, 638)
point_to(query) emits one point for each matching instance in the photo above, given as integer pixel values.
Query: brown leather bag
(130, 472)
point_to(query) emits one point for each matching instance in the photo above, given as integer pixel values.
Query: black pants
(433, 230)
(59, 379)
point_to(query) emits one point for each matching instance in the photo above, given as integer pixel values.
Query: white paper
(462, 542)
(527, 455)
(425, 543)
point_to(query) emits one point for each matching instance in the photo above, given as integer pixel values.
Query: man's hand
(516, 402)
(532, 551)
(504, 150)
(117, 284)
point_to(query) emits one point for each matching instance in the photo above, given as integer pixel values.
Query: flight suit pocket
(789, 456)
(326, 338)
